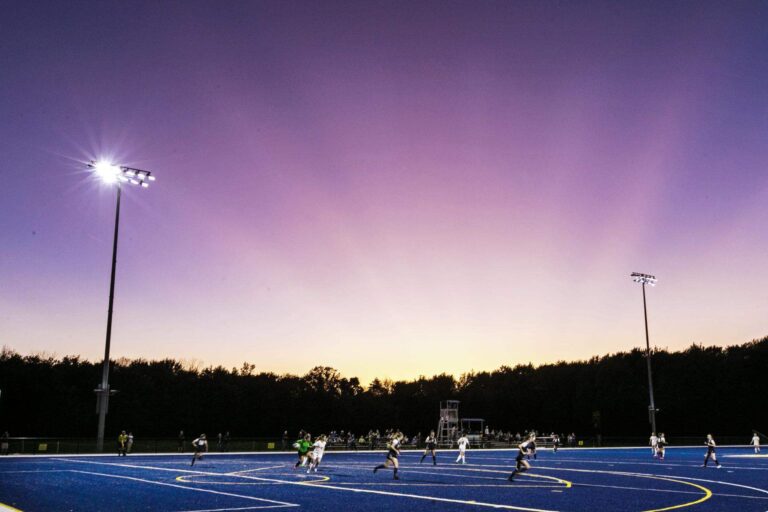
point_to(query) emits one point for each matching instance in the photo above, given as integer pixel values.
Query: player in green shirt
(122, 443)
(302, 446)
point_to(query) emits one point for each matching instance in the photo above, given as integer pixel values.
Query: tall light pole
(113, 175)
(651, 280)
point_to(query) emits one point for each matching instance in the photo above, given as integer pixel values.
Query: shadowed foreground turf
(571, 480)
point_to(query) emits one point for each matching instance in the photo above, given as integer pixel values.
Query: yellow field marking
(323, 478)
(8, 508)
(707, 494)
(568, 484)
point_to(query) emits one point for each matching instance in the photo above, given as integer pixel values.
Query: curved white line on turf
(304, 484)
(186, 487)
(657, 476)
(707, 492)
(257, 469)
(8, 508)
(190, 479)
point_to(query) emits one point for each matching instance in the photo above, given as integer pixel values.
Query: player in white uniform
(756, 442)
(463, 443)
(318, 449)
(654, 444)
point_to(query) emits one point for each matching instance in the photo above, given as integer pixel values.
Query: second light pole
(651, 280)
(113, 175)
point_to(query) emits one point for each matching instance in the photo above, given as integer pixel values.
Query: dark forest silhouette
(700, 389)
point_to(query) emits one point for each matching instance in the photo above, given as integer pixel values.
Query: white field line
(633, 474)
(188, 488)
(252, 470)
(651, 475)
(317, 486)
(257, 507)
(32, 471)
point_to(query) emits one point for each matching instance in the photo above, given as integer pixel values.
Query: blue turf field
(571, 480)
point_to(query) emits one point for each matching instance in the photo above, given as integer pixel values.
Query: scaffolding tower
(448, 427)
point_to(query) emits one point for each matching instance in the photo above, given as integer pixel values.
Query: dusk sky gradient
(390, 188)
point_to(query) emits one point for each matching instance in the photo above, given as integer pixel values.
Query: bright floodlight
(107, 171)
(111, 173)
(644, 278)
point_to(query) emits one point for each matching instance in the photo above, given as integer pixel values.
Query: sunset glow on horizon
(392, 189)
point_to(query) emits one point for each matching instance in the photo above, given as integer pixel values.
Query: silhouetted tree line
(698, 390)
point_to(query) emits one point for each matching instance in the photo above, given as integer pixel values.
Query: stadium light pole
(651, 280)
(113, 175)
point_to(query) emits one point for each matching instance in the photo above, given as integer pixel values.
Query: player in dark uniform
(710, 443)
(431, 446)
(532, 446)
(392, 454)
(521, 464)
(201, 445)
(555, 442)
(661, 446)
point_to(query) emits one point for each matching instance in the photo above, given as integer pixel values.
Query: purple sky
(389, 188)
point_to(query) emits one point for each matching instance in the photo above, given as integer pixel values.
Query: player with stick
(521, 464)
(392, 454)
(710, 443)
(200, 444)
(463, 443)
(431, 442)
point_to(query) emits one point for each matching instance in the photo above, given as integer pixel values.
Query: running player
(122, 443)
(710, 443)
(200, 444)
(431, 441)
(532, 446)
(654, 442)
(318, 449)
(463, 443)
(756, 442)
(392, 454)
(302, 446)
(661, 445)
(521, 464)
